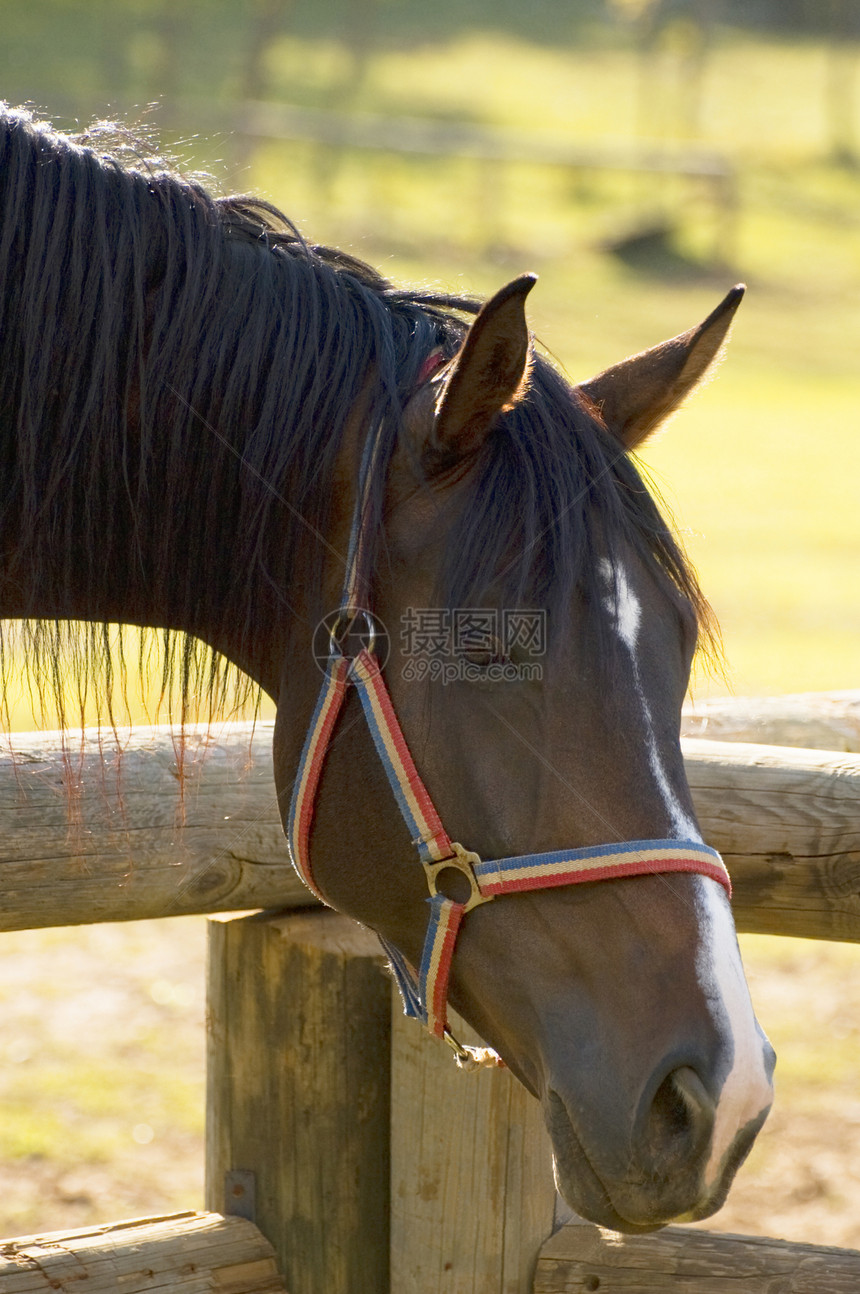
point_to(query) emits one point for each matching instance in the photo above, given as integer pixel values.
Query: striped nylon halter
(425, 992)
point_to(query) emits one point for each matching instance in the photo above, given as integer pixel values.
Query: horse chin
(620, 1207)
(586, 1196)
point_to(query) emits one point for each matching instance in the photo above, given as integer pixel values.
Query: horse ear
(635, 396)
(489, 373)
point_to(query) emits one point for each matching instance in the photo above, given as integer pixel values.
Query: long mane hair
(174, 366)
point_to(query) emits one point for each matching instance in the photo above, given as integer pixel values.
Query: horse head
(540, 699)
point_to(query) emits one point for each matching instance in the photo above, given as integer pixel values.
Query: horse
(223, 434)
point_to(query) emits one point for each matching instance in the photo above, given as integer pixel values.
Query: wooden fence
(343, 1149)
(702, 172)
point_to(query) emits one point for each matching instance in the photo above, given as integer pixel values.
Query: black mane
(152, 334)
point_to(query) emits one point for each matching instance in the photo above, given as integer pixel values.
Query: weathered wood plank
(298, 1091)
(100, 832)
(185, 1253)
(787, 822)
(814, 720)
(582, 1257)
(472, 1195)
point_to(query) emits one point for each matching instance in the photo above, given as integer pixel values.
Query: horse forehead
(653, 622)
(631, 592)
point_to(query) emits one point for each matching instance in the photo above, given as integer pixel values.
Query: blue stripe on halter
(416, 834)
(594, 853)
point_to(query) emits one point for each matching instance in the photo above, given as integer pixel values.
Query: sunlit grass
(762, 473)
(101, 1072)
(755, 96)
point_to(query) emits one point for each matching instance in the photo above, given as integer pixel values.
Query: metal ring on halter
(464, 862)
(343, 625)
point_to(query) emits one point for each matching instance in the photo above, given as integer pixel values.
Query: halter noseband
(425, 993)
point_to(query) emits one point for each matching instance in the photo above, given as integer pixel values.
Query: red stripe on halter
(437, 1005)
(552, 878)
(431, 837)
(310, 769)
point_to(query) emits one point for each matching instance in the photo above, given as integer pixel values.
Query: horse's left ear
(489, 373)
(635, 396)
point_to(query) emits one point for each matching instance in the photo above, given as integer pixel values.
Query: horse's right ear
(489, 373)
(635, 396)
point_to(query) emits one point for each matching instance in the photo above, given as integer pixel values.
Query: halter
(425, 993)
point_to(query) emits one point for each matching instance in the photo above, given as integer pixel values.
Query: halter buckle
(462, 861)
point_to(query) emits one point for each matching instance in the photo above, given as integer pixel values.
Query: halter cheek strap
(425, 992)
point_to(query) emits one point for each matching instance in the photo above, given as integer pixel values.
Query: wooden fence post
(343, 1127)
(472, 1194)
(298, 1103)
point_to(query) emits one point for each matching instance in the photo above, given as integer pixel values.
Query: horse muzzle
(655, 1173)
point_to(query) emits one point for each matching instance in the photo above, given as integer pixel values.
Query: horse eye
(490, 652)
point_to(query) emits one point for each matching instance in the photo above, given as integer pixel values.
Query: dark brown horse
(186, 391)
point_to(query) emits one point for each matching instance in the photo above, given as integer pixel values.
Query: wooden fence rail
(787, 822)
(583, 1257)
(99, 831)
(425, 137)
(184, 1253)
(814, 720)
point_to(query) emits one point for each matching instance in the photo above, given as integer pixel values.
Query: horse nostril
(681, 1115)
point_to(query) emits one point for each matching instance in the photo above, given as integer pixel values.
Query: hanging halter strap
(425, 993)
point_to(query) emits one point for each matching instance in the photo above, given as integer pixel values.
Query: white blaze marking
(747, 1089)
(626, 611)
(624, 606)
